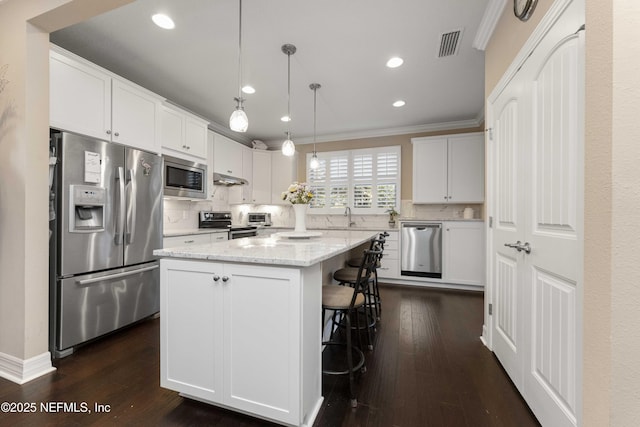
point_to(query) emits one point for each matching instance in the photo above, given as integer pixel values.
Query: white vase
(301, 216)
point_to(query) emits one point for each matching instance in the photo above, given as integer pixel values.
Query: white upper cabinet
(261, 193)
(283, 173)
(448, 169)
(79, 97)
(227, 156)
(89, 100)
(134, 116)
(183, 134)
(239, 194)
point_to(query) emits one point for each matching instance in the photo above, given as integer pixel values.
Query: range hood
(228, 180)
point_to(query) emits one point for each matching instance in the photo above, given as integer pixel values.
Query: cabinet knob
(216, 277)
(445, 197)
(117, 134)
(225, 279)
(108, 132)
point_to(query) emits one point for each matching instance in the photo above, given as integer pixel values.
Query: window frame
(352, 180)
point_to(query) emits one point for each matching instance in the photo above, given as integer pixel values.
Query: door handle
(519, 246)
(131, 206)
(120, 222)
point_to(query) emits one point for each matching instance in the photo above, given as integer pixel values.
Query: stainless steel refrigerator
(108, 221)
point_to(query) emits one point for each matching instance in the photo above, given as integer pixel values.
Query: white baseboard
(21, 371)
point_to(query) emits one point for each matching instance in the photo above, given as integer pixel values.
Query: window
(367, 180)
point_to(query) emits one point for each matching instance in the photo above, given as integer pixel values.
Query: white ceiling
(342, 44)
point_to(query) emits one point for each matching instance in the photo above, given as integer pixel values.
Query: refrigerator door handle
(115, 276)
(131, 206)
(119, 237)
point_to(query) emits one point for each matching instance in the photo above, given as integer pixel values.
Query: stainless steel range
(222, 220)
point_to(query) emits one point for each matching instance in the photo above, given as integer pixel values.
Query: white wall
(24, 123)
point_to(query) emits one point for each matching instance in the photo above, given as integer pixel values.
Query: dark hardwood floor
(428, 368)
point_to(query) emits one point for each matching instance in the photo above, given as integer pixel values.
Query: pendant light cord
(289, 95)
(240, 54)
(315, 90)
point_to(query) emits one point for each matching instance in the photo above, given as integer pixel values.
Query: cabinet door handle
(189, 241)
(225, 279)
(216, 277)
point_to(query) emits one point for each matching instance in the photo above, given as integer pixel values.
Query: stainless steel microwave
(183, 178)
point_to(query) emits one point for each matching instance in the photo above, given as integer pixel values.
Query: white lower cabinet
(231, 335)
(390, 263)
(463, 253)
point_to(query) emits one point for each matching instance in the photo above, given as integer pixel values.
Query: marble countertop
(274, 250)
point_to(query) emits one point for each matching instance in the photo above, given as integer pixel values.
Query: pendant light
(238, 121)
(314, 162)
(288, 148)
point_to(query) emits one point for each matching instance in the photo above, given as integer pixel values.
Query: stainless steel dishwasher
(421, 253)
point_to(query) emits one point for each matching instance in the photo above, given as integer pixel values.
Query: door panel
(95, 304)
(144, 206)
(85, 251)
(555, 234)
(509, 222)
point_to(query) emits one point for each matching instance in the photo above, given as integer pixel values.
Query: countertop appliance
(108, 221)
(259, 218)
(421, 249)
(183, 178)
(222, 220)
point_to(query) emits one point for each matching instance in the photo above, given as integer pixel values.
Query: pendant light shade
(314, 162)
(238, 122)
(288, 147)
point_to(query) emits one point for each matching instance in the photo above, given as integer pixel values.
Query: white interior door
(509, 223)
(554, 266)
(538, 200)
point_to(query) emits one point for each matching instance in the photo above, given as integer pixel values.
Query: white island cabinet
(240, 322)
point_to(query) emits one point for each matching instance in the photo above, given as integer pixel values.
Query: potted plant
(392, 216)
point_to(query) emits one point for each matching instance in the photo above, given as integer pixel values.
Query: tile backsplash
(183, 214)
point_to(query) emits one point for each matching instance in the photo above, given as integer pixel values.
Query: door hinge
(490, 133)
(490, 309)
(490, 222)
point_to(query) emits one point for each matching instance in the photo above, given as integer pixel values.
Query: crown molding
(376, 133)
(225, 131)
(492, 14)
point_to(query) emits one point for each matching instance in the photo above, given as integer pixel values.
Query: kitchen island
(240, 322)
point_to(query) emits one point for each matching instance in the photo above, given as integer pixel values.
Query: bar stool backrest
(365, 270)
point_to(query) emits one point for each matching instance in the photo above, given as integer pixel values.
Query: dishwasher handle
(422, 227)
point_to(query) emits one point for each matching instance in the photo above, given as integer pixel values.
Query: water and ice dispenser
(86, 208)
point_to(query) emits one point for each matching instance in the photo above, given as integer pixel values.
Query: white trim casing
(492, 14)
(22, 371)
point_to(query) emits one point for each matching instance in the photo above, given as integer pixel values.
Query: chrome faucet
(347, 213)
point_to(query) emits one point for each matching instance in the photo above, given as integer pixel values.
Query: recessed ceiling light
(248, 89)
(395, 62)
(285, 118)
(163, 21)
(398, 103)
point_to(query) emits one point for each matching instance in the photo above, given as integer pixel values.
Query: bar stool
(347, 300)
(355, 262)
(349, 276)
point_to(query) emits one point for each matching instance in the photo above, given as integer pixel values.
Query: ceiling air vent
(449, 43)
